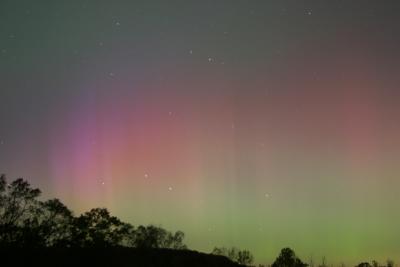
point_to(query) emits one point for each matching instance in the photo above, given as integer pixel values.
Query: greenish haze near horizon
(255, 124)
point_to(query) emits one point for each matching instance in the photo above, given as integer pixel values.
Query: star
(117, 23)
(170, 113)
(210, 59)
(267, 195)
(191, 52)
(170, 188)
(146, 175)
(103, 183)
(309, 12)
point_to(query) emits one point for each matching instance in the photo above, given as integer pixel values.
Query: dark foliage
(156, 237)
(46, 233)
(287, 258)
(389, 263)
(112, 257)
(240, 256)
(19, 209)
(364, 264)
(25, 221)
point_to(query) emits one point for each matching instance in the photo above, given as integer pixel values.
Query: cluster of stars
(146, 176)
(210, 59)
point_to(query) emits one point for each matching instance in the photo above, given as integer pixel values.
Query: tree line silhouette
(27, 222)
(243, 257)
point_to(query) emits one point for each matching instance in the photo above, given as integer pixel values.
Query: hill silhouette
(46, 233)
(116, 257)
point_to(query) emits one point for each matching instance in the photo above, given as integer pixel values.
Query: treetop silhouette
(25, 221)
(287, 258)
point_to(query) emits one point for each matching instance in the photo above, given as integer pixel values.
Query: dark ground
(115, 257)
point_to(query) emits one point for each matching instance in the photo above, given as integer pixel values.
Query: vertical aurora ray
(258, 125)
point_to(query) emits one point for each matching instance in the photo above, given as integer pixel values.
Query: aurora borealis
(256, 124)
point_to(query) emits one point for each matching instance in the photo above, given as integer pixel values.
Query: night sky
(256, 124)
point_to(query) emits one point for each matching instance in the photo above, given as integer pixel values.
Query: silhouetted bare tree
(245, 257)
(240, 256)
(323, 262)
(18, 205)
(176, 240)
